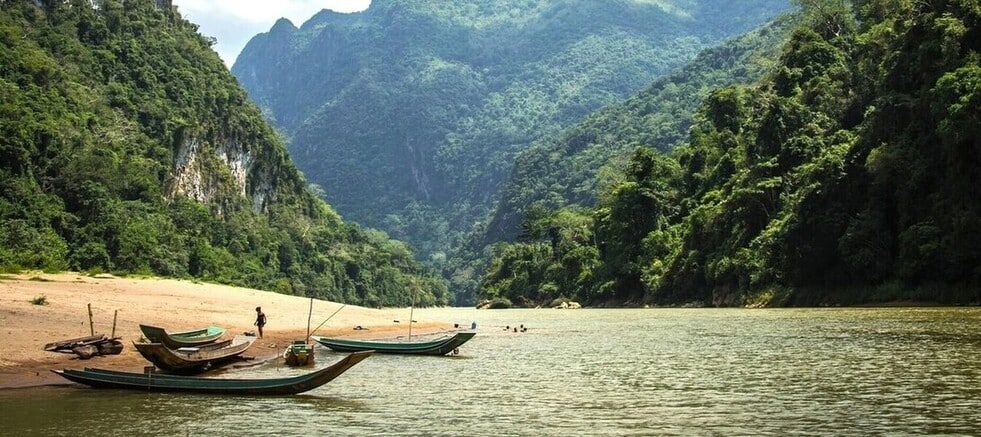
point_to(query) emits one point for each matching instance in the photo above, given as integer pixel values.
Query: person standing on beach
(260, 319)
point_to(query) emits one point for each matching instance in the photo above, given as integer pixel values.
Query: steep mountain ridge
(409, 114)
(563, 170)
(848, 174)
(128, 147)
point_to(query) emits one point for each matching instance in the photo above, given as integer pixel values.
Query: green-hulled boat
(440, 346)
(299, 353)
(182, 339)
(155, 382)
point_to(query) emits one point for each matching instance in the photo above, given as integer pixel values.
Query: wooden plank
(67, 344)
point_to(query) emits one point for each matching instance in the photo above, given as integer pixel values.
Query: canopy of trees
(851, 173)
(410, 114)
(108, 109)
(569, 169)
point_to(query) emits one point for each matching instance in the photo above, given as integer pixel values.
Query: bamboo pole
(309, 316)
(328, 318)
(91, 325)
(412, 307)
(114, 314)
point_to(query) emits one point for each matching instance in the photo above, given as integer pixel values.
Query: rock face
(568, 305)
(202, 171)
(724, 297)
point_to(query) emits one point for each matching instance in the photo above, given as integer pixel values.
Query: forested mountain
(851, 173)
(126, 146)
(568, 169)
(565, 170)
(409, 114)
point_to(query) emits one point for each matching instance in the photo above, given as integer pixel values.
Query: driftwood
(67, 345)
(58, 346)
(85, 352)
(111, 347)
(87, 347)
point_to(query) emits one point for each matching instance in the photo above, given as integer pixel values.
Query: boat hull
(299, 354)
(441, 346)
(153, 382)
(194, 359)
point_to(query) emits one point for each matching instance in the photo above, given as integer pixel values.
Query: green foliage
(592, 156)
(411, 114)
(127, 147)
(558, 262)
(849, 175)
(39, 300)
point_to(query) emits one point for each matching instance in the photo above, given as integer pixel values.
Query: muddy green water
(893, 371)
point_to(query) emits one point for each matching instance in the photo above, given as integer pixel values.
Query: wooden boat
(299, 353)
(440, 346)
(182, 339)
(194, 359)
(155, 382)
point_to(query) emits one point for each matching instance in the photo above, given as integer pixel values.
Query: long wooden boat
(194, 359)
(182, 339)
(155, 382)
(440, 346)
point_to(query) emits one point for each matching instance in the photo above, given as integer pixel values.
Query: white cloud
(234, 22)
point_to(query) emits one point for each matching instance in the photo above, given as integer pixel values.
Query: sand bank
(177, 305)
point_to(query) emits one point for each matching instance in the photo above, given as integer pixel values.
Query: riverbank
(39, 308)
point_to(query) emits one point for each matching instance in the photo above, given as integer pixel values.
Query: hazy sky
(234, 22)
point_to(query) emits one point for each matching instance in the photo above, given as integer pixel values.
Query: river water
(854, 371)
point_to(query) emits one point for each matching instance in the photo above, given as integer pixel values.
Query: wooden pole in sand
(114, 314)
(91, 325)
(412, 306)
(309, 316)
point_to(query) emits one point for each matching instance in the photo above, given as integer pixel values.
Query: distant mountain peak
(283, 25)
(410, 114)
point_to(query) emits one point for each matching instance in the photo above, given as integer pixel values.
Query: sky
(234, 22)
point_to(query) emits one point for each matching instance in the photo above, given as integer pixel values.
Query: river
(835, 371)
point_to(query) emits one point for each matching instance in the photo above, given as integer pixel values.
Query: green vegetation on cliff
(126, 146)
(850, 174)
(410, 114)
(568, 169)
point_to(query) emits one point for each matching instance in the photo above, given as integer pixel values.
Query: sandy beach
(177, 305)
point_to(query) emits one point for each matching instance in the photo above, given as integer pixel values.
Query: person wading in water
(260, 319)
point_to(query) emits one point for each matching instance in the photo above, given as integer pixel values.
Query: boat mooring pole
(91, 325)
(412, 307)
(114, 314)
(325, 320)
(309, 316)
